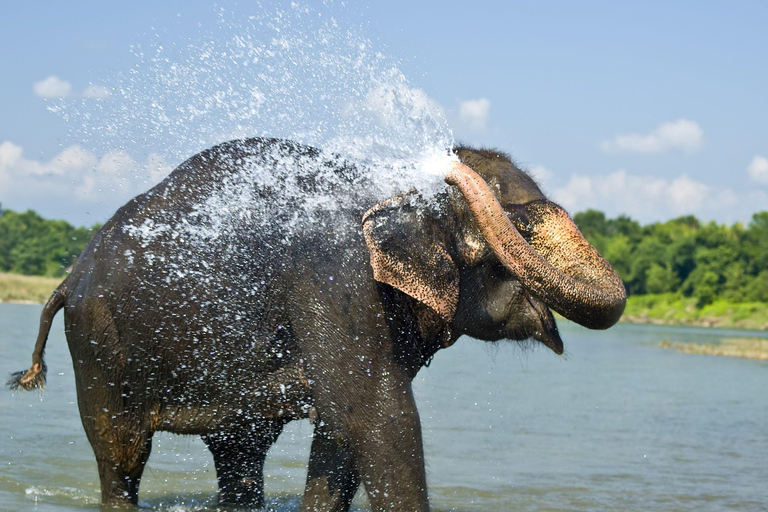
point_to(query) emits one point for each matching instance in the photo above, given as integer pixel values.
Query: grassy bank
(747, 348)
(26, 289)
(673, 309)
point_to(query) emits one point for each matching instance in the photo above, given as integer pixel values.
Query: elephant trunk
(559, 265)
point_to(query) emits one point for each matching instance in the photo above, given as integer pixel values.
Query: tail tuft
(34, 378)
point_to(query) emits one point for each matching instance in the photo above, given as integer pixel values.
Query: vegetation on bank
(684, 272)
(675, 309)
(26, 289)
(706, 262)
(32, 245)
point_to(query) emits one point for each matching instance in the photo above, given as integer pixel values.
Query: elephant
(218, 304)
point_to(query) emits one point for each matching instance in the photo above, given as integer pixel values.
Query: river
(617, 424)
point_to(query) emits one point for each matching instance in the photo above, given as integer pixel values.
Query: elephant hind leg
(239, 457)
(121, 446)
(120, 478)
(119, 431)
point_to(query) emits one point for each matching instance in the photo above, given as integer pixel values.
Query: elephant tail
(34, 378)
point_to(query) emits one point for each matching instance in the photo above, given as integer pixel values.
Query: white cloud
(758, 169)
(10, 154)
(52, 87)
(475, 113)
(686, 195)
(97, 92)
(649, 198)
(540, 173)
(71, 159)
(157, 168)
(396, 104)
(577, 191)
(681, 135)
(55, 87)
(116, 162)
(115, 176)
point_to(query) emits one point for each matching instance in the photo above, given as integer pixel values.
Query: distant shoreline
(743, 348)
(663, 309)
(709, 322)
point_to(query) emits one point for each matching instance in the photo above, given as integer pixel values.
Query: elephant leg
(362, 395)
(121, 436)
(239, 459)
(332, 479)
(120, 480)
(121, 447)
(390, 456)
(382, 433)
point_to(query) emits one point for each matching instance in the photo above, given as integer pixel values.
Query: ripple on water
(62, 494)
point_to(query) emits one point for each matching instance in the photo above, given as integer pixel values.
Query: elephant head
(493, 255)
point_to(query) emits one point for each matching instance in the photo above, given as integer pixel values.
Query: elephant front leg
(332, 479)
(382, 446)
(390, 459)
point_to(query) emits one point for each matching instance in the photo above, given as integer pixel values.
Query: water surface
(617, 424)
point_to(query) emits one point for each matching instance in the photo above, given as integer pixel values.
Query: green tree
(30, 244)
(682, 255)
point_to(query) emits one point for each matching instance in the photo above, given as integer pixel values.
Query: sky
(649, 109)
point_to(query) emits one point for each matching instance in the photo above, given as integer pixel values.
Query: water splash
(302, 73)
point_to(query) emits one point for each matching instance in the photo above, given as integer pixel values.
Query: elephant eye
(519, 218)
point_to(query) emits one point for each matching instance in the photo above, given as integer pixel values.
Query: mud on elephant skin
(186, 316)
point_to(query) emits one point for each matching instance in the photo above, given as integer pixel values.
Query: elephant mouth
(546, 331)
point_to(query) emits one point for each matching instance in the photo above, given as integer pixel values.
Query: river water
(617, 424)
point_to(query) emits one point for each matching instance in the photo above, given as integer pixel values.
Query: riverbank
(745, 348)
(21, 289)
(672, 309)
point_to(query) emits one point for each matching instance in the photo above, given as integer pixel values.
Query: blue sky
(653, 109)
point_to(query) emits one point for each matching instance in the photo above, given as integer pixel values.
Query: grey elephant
(185, 314)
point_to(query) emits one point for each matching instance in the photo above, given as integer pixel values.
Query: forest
(706, 261)
(682, 256)
(32, 245)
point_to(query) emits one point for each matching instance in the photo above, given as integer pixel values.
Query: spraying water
(301, 74)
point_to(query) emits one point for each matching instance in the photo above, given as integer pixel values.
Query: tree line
(683, 255)
(32, 245)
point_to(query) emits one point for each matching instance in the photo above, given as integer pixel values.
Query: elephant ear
(409, 252)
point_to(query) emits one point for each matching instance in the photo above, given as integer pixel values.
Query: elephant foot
(245, 492)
